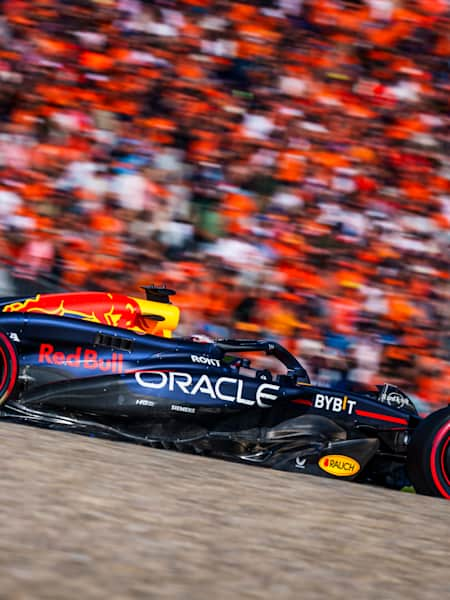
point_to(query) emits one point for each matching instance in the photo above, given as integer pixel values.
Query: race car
(108, 365)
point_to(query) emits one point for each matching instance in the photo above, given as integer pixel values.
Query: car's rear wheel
(9, 367)
(429, 455)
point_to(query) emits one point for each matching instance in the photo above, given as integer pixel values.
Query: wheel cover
(8, 367)
(440, 459)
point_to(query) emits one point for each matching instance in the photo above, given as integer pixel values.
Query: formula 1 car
(107, 365)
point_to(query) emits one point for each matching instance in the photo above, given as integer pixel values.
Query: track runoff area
(83, 516)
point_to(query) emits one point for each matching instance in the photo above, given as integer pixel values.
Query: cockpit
(257, 364)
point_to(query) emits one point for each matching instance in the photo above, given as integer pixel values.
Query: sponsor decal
(205, 360)
(13, 336)
(85, 358)
(143, 402)
(228, 389)
(334, 403)
(394, 397)
(185, 409)
(300, 463)
(339, 465)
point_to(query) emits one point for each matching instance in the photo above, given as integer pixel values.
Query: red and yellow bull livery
(154, 315)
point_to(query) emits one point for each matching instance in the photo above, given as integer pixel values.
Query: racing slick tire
(9, 367)
(428, 459)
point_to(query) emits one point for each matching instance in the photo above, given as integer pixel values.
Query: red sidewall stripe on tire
(11, 354)
(3, 366)
(435, 475)
(446, 477)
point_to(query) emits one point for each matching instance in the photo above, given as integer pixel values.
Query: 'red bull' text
(85, 358)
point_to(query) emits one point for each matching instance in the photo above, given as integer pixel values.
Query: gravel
(87, 518)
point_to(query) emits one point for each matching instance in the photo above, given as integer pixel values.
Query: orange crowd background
(282, 164)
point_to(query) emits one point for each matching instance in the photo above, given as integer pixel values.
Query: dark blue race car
(107, 365)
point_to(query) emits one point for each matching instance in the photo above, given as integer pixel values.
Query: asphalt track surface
(87, 518)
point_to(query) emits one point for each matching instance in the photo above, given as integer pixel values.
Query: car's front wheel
(9, 366)
(429, 455)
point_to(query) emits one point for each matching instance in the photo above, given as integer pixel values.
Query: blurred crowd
(282, 164)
